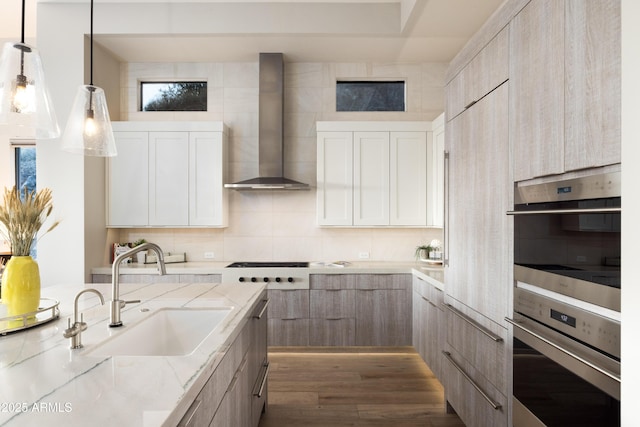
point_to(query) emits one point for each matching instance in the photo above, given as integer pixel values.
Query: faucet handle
(135, 301)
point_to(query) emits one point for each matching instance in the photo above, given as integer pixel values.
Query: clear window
(173, 96)
(25, 167)
(370, 96)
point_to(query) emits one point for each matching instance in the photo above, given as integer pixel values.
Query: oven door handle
(567, 211)
(564, 350)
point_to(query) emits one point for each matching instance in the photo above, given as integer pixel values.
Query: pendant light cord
(90, 48)
(22, 33)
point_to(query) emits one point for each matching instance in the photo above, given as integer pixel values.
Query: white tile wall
(281, 226)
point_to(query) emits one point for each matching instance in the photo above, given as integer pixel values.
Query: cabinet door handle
(564, 350)
(464, 317)
(263, 381)
(334, 318)
(495, 405)
(445, 219)
(290, 318)
(188, 417)
(470, 104)
(566, 211)
(264, 308)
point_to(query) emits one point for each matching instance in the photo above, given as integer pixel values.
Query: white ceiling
(407, 31)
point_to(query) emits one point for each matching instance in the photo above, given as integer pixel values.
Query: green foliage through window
(173, 96)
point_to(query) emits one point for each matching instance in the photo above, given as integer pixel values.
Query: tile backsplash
(282, 225)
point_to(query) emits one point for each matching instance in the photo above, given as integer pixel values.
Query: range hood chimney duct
(270, 130)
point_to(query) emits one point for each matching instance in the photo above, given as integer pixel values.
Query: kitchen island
(44, 382)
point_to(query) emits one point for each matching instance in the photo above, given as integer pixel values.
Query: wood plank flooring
(353, 386)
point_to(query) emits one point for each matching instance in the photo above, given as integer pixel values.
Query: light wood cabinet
(288, 317)
(360, 309)
(373, 174)
(536, 80)
(228, 397)
(592, 83)
(479, 260)
(429, 324)
(167, 174)
(565, 83)
(383, 310)
(480, 250)
(486, 71)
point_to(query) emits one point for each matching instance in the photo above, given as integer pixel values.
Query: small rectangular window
(370, 96)
(25, 167)
(173, 96)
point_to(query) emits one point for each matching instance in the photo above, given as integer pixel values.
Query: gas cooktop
(268, 264)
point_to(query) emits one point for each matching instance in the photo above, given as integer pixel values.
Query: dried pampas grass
(24, 216)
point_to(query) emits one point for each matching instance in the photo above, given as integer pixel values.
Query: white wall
(631, 207)
(272, 226)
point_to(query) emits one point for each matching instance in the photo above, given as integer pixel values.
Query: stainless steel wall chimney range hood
(270, 130)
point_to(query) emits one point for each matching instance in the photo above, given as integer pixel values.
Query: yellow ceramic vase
(21, 285)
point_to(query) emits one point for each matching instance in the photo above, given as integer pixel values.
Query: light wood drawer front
(332, 332)
(332, 304)
(384, 281)
(482, 345)
(474, 399)
(288, 332)
(284, 304)
(332, 281)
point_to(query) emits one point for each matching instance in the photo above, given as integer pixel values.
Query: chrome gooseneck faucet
(75, 331)
(116, 303)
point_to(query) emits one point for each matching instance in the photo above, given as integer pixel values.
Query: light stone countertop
(54, 385)
(431, 273)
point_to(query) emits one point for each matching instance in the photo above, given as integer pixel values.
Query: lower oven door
(560, 382)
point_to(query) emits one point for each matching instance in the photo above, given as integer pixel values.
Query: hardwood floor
(353, 386)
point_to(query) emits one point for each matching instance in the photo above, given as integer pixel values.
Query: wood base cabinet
(235, 395)
(429, 324)
(288, 317)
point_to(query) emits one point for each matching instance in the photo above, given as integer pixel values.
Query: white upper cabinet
(167, 174)
(128, 180)
(374, 174)
(371, 178)
(168, 178)
(335, 178)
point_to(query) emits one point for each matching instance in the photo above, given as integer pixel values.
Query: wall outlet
(363, 255)
(581, 258)
(209, 255)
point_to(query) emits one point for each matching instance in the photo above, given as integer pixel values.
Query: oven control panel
(591, 328)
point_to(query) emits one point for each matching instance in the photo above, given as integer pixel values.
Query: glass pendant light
(88, 129)
(24, 98)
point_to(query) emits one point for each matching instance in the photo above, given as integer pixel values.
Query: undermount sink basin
(167, 332)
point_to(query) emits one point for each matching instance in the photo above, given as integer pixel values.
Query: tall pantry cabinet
(479, 259)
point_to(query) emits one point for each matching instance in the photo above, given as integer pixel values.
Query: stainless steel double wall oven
(566, 314)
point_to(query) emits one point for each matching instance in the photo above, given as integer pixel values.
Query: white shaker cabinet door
(335, 178)
(207, 197)
(128, 201)
(408, 178)
(371, 178)
(168, 178)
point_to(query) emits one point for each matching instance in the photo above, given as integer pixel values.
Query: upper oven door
(567, 238)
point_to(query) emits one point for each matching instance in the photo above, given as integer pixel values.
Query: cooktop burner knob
(253, 279)
(290, 279)
(266, 279)
(241, 279)
(278, 279)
